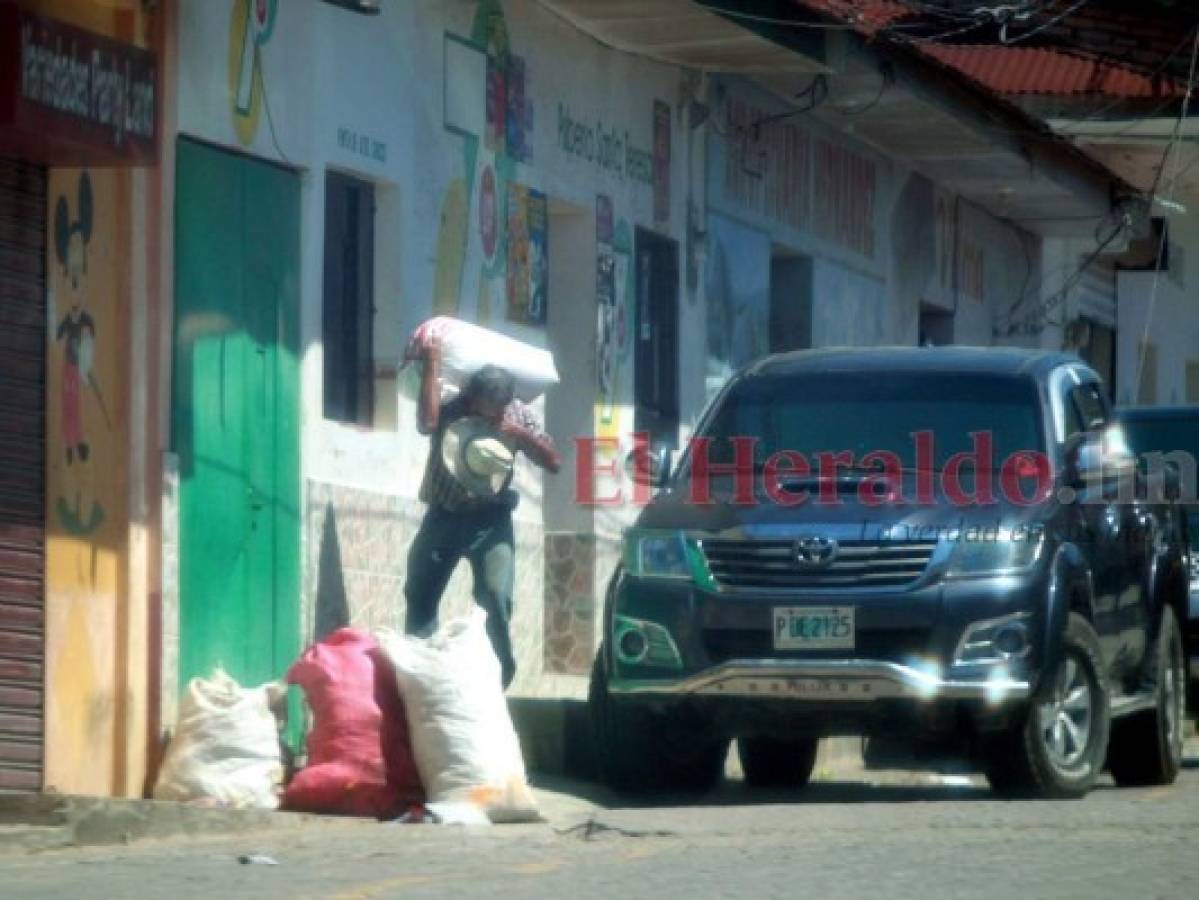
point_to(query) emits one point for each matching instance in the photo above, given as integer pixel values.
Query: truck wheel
(641, 751)
(1056, 747)
(769, 762)
(1146, 747)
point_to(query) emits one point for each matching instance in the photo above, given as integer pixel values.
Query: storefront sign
(605, 146)
(362, 145)
(775, 168)
(75, 94)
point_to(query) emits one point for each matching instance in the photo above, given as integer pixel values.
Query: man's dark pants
(484, 537)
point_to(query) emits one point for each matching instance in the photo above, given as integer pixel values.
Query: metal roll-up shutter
(22, 471)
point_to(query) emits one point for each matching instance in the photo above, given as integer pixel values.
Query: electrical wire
(1151, 75)
(774, 20)
(888, 79)
(266, 105)
(1161, 247)
(1029, 323)
(937, 38)
(1044, 25)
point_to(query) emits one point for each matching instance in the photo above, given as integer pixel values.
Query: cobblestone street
(897, 839)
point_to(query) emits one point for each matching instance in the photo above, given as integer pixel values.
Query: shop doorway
(656, 338)
(790, 302)
(22, 472)
(235, 413)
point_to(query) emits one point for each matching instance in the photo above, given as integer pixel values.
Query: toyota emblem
(815, 552)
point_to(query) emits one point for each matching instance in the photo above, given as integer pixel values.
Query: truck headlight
(641, 643)
(995, 641)
(1005, 553)
(656, 554)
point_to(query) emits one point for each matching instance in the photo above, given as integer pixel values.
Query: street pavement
(889, 836)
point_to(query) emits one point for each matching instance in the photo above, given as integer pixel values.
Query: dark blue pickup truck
(1173, 433)
(952, 546)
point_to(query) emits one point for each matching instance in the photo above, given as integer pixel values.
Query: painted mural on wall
(250, 29)
(87, 381)
(481, 193)
(80, 511)
(507, 216)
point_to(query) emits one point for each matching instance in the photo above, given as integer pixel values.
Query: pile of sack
(397, 721)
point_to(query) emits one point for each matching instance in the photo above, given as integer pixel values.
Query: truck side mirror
(654, 471)
(1094, 457)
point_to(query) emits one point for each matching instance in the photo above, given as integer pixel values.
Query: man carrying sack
(467, 486)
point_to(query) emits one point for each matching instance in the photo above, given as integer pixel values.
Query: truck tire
(1055, 747)
(1146, 747)
(773, 763)
(640, 751)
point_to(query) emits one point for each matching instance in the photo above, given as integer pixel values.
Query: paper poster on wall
(497, 102)
(515, 116)
(528, 246)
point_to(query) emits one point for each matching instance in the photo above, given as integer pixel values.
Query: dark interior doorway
(656, 357)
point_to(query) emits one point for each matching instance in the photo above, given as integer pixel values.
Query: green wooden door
(235, 417)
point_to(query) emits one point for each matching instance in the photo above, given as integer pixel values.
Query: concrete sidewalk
(41, 822)
(32, 822)
(37, 822)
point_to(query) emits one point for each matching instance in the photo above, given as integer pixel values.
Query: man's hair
(493, 384)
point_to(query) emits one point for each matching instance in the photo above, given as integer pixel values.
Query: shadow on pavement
(737, 793)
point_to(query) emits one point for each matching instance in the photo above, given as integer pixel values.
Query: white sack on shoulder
(465, 746)
(466, 348)
(226, 746)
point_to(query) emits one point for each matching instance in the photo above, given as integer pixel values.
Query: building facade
(79, 302)
(480, 160)
(340, 178)
(210, 448)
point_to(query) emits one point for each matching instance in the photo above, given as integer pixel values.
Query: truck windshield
(861, 413)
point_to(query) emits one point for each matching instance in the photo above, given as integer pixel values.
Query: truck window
(1090, 406)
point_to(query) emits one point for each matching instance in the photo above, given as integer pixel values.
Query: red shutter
(22, 471)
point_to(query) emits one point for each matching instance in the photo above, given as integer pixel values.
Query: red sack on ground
(359, 759)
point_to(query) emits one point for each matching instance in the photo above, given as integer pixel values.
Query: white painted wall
(930, 247)
(327, 72)
(1167, 318)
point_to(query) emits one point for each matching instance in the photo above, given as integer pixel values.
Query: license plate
(814, 628)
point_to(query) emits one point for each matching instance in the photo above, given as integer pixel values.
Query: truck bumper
(837, 681)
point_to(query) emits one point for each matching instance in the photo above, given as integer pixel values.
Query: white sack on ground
(466, 348)
(226, 747)
(462, 736)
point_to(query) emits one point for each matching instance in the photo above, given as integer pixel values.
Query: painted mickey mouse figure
(77, 328)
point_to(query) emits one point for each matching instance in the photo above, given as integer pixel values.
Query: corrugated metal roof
(1051, 71)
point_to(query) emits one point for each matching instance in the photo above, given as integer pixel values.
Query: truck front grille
(773, 565)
